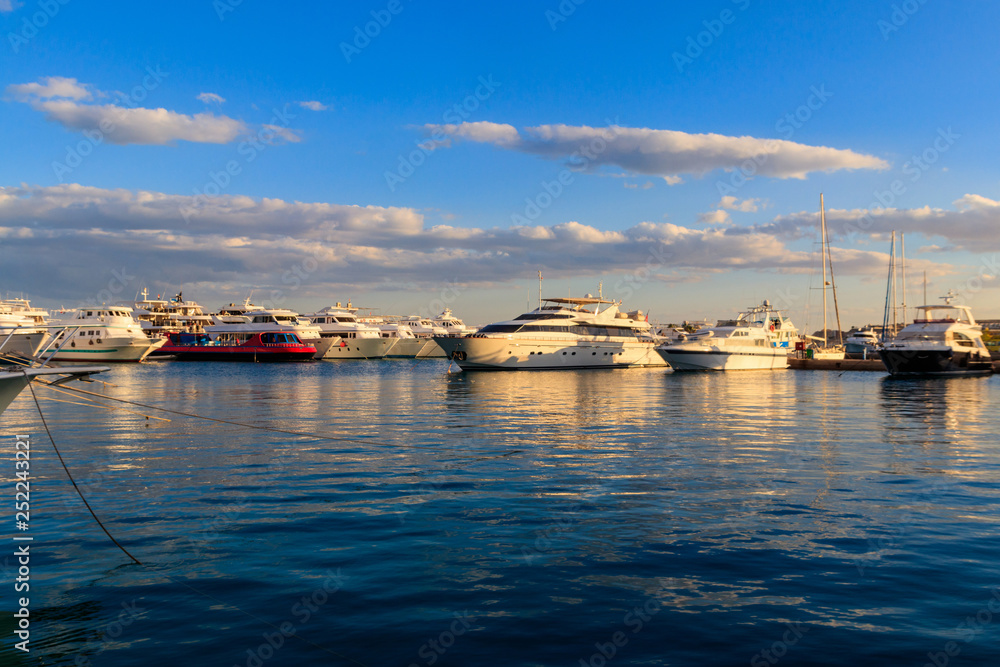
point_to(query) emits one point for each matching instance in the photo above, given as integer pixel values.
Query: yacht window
(500, 328)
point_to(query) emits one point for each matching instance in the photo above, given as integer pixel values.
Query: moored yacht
(943, 340)
(561, 333)
(13, 380)
(861, 345)
(426, 329)
(103, 333)
(159, 317)
(20, 333)
(757, 339)
(352, 339)
(451, 324)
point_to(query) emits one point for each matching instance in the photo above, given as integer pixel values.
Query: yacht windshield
(500, 328)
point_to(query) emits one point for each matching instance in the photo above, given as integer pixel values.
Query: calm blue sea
(546, 518)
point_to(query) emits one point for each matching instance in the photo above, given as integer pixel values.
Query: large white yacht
(561, 333)
(757, 339)
(423, 327)
(103, 333)
(943, 340)
(352, 339)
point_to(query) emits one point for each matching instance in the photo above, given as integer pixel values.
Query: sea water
(396, 513)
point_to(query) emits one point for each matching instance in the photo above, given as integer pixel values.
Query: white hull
(430, 350)
(551, 354)
(405, 348)
(698, 358)
(357, 348)
(11, 385)
(110, 349)
(22, 344)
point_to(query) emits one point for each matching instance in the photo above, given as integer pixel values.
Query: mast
(833, 282)
(888, 288)
(822, 245)
(539, 289)
(925, 286)
(902, 256)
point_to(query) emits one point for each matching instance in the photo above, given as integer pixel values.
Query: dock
(836, 364)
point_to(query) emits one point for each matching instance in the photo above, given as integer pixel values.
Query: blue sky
(454, 151)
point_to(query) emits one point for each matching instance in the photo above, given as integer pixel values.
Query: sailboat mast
(888, 289)
(539, 289)
(833, 284)
(902, 254)
(822, 245)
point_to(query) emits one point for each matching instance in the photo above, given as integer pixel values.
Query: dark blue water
(563, 518)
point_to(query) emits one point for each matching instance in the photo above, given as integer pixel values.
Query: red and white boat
(261, 346)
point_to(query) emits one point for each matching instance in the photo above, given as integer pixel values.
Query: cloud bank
(665, 153)
(234, 241)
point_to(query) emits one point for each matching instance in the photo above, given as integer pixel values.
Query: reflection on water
(546, 506)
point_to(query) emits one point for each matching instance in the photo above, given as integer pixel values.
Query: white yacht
(103, 333)
(561, 333)
(425, 328)
(159, 317)
(861, 344)
(406, 345)
(451, 324)
(758, 338)
(242, 323)
(21, 333)
(943, 340)
(351, 339)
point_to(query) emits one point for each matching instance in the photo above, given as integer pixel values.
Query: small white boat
(102, 333)
(757, 339)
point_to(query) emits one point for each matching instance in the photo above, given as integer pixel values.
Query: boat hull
(942, 362)
(540, 354)
(358, 348)
(698, 358)
(407, 348)
(22, 344)
(111, 350)
(11, 385)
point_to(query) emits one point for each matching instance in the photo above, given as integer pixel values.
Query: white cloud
(288, 135)
(62, 101)
(50, 87)
(313, 105)
(716, 217)
(211, 98)
(673, 180)
(733, 204)
(666, 153)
